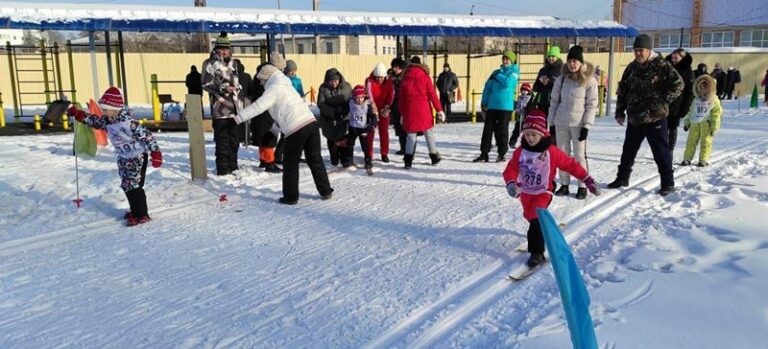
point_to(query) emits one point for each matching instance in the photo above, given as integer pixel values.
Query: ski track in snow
(219, 296)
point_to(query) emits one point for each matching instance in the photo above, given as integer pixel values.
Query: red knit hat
(112, 99)
(526, 87)
(536, 120)
(359, 90)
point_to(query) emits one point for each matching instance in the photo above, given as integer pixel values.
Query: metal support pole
(469, 60)
(2, 112)
(108, 48)
(12, 70)
(122, 65)
(46, 88)
(71, 72)
(94, 71)
(118, 68)
(474, 107)
(57, 67)
(156, 112)
(610, 77)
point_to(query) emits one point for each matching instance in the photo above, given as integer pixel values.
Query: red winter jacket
(416, 99)
(557, 160)
(382, 94)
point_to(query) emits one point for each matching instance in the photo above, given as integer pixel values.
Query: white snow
(405, 258)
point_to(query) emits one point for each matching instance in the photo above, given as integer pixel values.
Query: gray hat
(291, 65)
(642, 41)
(266, 71)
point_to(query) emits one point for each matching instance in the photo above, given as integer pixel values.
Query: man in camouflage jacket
(647, 87)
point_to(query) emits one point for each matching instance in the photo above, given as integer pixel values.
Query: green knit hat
(222, 41)
(553, 51)
(511, 55)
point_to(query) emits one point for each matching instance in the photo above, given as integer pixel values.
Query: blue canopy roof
(97, 17)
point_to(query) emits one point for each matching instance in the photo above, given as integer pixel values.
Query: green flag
(753, 102)
(85, 141)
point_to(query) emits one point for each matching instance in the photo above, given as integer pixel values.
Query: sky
(572, 9)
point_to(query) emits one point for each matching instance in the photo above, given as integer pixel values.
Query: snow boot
(408, 159)
(702, 164)
(562, 191)
(666, 190)
(133, 221)
(581, 194)
(535, 259)
(618, 183)
(385, 159)
(482, 158)
(285, 201)
(500, 158)
(685, 163)
(435, 158)
(272, 168)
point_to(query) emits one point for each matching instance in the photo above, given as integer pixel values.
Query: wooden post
(196, 137)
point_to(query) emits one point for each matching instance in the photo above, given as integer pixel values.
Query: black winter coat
(732, 77)
(680, 106)
(447, 81)
(719, 76)
(542, 91)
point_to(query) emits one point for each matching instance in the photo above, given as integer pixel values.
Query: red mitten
(157, 158)
(78, 114)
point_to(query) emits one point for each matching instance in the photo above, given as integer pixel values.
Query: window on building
(242, 49)
(754, 38)
(328, 47)
(673, 41)
(717, 39)
(383, 50)
(300, 48)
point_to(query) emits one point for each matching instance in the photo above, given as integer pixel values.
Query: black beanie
(576, 52)
(415, 60)
(642, 41)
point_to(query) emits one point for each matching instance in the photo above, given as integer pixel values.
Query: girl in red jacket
(529, 176)
(381, 93)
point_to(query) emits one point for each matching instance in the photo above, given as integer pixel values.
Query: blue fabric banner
(572, 289)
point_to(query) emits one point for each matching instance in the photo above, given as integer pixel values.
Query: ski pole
(77, 200)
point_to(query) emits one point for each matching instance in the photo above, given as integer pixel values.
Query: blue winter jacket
(296, 82)
(499, 90)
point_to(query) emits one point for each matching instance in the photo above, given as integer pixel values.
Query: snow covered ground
(413, 258)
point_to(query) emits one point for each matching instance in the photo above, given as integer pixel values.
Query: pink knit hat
(112, 99)
(359, 90)
(536, 121)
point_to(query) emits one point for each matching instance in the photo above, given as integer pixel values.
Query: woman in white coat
(572, 108)
(294, 119)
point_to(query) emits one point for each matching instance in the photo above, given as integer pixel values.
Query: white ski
(524, 271)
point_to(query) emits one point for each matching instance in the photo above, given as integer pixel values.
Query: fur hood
(711, 85)
(418, 65)
(586, 72)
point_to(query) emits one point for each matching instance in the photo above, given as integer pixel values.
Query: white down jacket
(573, 102)
(287, 108)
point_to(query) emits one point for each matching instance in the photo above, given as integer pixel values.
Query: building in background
(695, 23)
(329, 44)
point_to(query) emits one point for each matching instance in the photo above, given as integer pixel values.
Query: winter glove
(157, 158)
(591, 186)
(513, 190)
(686, 128)
(441, 116)
(78, 114)
(583, 134)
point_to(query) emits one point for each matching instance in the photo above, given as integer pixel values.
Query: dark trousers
(337, 153)
(515, 133)
(307, 140)
(357, 133)
(496, 124)
(445, 102)
(535, 237)
(280, 149)
(657, 136)
(673, 123)
(137, 199)
(226, 135)
(397, 123)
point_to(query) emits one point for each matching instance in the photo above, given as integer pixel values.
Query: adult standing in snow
(447, 83)
(545, 81)
(719, 75)
(221, 82)
(572, 110)
(333, 101)
(498, 103)
(193, 82)
(678, 109)
(417, 98)
(701, 69)
(381, 93)
(732, 77)
(647, 87)
(294, 119)
(764, 83)
(261, 134)
(397, 67)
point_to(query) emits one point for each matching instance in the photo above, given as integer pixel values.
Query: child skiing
(529, 176)
(361, 121)
(131, 142)
(703, 120)
(520, 109)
